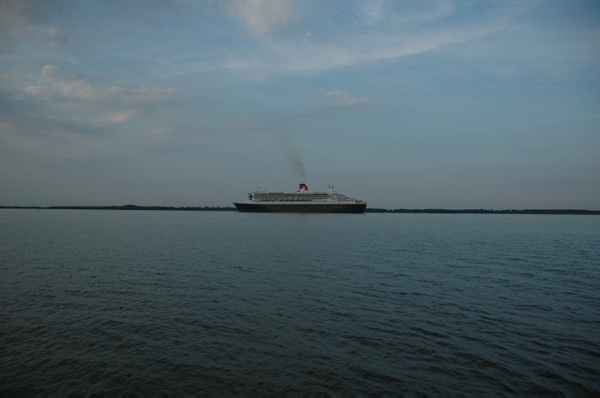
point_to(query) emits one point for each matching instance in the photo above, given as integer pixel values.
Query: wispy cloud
(353, 49)
(122, 116)
(210, 85)
(417, 14)
(17, 73)
(343, 100)
(56, 38)
(388, 33)
(51, 79)
(371, 11)
(338, 101)
(263, 16)
(52, 83)
(59, 115)
(19, 18)
(143, 94)
(50, 73)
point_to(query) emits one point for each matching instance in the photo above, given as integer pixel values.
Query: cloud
(371, 11)
(52, 82)
(17, 73)
(352, 49)
(49, 73)
(343, 100)
(61, 107)
(55, 38)
(340, 101)
(262, 16)
(17, 17)
(123, 116)
(379, 32)
(33, 90)
(69, 87)
(43, 125)
(420, 13)
(144, 94)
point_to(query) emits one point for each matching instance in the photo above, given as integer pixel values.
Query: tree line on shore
(368, 210)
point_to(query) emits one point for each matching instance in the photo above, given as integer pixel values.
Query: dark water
(229, 303)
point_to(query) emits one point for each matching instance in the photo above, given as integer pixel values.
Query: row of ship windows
(284, 199)
(294, 197)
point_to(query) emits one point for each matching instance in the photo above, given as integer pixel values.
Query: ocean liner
(301, 201)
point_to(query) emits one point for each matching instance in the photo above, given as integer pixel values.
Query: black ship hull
(300, 208)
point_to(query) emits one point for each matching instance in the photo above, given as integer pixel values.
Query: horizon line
(368, 209)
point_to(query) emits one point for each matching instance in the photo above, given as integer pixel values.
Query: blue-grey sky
(405, 104)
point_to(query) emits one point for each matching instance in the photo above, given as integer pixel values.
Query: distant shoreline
(487, 211)
(368, 210)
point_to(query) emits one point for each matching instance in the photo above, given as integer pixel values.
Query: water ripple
(190, 303)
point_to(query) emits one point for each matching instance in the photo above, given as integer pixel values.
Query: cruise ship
(300, 201)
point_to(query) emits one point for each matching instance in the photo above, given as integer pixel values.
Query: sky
(404, 104)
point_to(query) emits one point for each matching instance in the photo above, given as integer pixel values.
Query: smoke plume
(291, 153)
